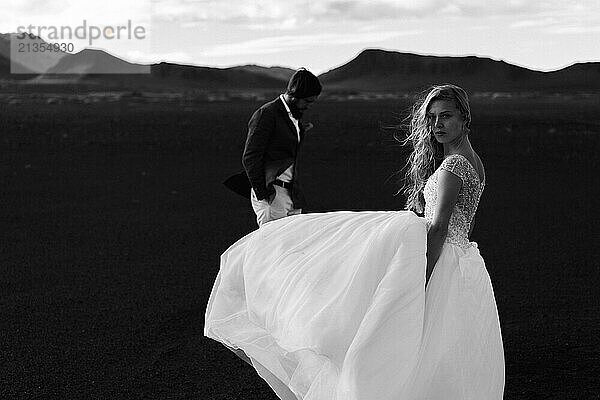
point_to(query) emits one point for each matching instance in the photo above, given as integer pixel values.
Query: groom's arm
(260, 128)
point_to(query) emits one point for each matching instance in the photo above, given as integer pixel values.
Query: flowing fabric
(333, 306)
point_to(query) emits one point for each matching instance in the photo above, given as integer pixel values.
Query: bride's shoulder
(453, 161)
(463, 165)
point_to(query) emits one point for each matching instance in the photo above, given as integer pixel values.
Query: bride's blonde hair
(427, 152)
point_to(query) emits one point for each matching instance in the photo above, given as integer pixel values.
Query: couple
(381, 305)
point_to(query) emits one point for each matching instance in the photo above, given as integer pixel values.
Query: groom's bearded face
(298, 106)
(296, 112)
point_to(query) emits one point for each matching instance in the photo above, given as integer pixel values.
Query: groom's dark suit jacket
(271, 147)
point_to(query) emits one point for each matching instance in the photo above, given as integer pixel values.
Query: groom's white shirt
(294, 120)
(288, 175)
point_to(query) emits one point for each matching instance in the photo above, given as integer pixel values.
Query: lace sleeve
(457, 165)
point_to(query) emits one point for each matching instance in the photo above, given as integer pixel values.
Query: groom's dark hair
(303, 84)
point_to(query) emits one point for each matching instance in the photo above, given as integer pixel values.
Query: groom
(275, 133)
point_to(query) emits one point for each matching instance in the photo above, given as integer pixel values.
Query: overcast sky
(322, 34)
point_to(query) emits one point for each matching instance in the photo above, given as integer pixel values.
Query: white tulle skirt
(333, 307)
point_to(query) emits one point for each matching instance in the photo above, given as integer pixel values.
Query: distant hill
(26, 63)
(97, 66)
(380, 70)
(89, 61)
(280, 73)
(169, 77)
(216, 78)
(580, 76)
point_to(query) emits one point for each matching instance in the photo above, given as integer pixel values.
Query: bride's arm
(447, 194)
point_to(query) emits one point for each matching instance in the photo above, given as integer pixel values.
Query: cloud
(73, 12)
(534, 23)
(295, 13)
(287, 43)
(290, 13)
(36, 7)
(573, 30)
(568, 19)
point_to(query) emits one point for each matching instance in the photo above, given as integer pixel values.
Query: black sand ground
(113, 219)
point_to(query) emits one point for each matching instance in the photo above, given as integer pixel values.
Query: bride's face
(446, 121)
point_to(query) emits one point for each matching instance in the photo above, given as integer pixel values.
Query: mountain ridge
(372, 70)
(381, 70)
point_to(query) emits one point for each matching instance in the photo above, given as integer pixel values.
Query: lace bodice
(466, 204)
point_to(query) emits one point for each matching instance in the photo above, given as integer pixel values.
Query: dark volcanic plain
(114, 217)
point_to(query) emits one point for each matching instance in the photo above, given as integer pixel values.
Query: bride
(379, 305)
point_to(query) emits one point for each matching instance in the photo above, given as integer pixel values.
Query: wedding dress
(333, 306)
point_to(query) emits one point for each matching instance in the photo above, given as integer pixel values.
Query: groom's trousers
(280, 207)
